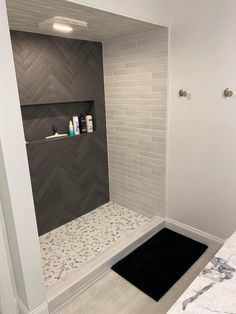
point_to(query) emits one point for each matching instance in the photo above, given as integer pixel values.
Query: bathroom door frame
(8, 302)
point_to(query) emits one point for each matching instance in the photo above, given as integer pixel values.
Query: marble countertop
(214, 290)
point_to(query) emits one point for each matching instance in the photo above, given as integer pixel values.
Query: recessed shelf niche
(39, 119)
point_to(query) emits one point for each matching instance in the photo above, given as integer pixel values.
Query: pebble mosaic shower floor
(68, 247)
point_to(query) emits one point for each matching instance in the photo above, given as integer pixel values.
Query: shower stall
(97, 195)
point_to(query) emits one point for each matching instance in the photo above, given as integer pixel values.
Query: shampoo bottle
(89, 123)
(82, 123)
(71, 129)
(76, 125)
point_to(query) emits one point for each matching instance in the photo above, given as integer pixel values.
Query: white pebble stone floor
(66, 248)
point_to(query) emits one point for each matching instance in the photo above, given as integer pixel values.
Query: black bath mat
(156, 265)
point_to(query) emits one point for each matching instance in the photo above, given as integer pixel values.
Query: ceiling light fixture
(62, 28)
(63, 24)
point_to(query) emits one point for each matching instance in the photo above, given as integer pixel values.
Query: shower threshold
(76, 254)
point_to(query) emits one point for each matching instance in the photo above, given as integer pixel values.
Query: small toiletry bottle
(76, 125)
(82, 124)
(89, 123)
(71, 129)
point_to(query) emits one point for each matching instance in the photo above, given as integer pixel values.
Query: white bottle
(76, 125)
(89, 123)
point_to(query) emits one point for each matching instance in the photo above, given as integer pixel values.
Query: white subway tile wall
(135, 70)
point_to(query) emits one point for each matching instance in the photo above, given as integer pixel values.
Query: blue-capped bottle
(71, 129)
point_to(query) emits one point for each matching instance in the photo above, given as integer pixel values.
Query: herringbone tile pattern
(58, 78)
(53, 69)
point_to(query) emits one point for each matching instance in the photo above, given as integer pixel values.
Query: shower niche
(38, 120)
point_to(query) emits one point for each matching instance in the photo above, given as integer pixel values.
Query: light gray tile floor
(114, 295)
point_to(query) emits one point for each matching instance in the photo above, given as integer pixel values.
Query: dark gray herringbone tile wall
(69, 177)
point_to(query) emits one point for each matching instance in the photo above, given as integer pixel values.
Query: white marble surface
(214, 290)
(68, 247)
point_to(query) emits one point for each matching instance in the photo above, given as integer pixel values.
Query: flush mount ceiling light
(62, 28)
(62, 24)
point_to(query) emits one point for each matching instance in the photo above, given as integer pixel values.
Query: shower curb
(78, 281)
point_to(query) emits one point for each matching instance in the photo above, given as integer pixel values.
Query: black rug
(156, 265)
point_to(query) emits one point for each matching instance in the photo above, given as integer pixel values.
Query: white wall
(155, 11)
(202, 131)
(15, 186)
(135, 69)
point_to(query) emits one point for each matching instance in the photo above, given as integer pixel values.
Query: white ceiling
(25, 15)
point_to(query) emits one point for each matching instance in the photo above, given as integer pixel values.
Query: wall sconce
(183, 93)
(228, 92)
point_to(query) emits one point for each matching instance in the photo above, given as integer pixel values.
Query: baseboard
(42, 309)
(193, 233)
